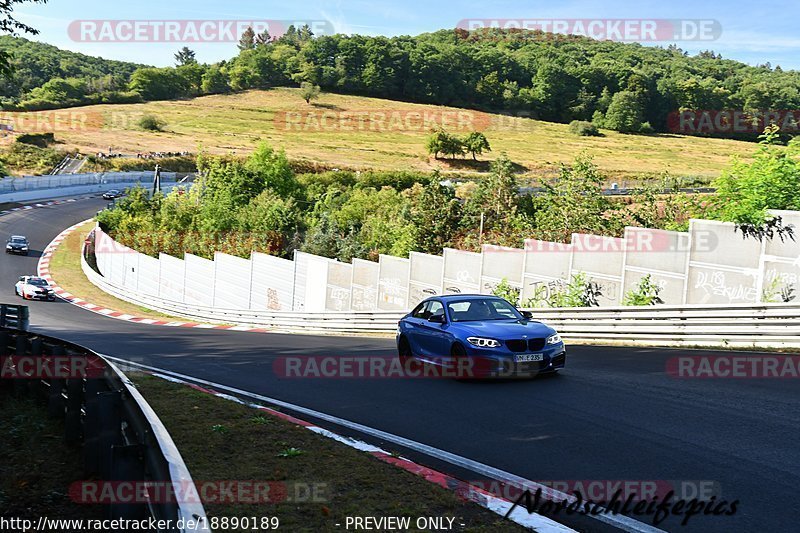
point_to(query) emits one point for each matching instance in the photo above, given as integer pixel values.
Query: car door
(433, 336)
(413, 323)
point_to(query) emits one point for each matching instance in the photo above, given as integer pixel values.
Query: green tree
(625, 113)
(263, 38)
(214, 81)
(10, 25)
(746, 190)
(574, 203)
(185, 56)
(247, 41)
(309, 91)
(435, 208)
(476, 143)
(495, 196)
(159, 83)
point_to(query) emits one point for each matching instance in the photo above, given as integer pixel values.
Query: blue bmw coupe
(479, 336)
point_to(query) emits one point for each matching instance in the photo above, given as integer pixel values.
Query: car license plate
(528, 357)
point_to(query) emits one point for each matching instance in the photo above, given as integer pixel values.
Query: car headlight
(24, 247)
(8, 246)
(483, 342)
(554, 339)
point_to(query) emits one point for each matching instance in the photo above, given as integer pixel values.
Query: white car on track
(34, 288)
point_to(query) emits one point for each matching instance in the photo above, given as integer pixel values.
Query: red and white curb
(464, 490)
(43, 269)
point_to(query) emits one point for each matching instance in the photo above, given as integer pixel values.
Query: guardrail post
(72, 417)
(5, 338)
(109, 430)
(20, 350)
(127, 464)
(55, 400)
(91, 424)
(36, 385)
(24, 315)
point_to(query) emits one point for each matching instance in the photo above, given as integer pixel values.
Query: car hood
(504, 329)
(16, 245)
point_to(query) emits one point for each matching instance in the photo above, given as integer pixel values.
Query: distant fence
(32, 188)
(775, 325)
(55, 181)
(711, 264)
(122, 437)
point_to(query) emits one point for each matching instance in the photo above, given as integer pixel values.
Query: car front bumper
(491, 363)
(36, 296)
(16, 251)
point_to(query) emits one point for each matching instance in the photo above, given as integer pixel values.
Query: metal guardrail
(736, 325)
(377, 321)
(14, 316)
(122, 438)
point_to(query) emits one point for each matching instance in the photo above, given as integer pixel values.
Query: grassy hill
(235, 123)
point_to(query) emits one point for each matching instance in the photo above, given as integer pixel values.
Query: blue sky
(752, 32)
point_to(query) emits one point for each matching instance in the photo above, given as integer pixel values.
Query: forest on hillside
(620, 86)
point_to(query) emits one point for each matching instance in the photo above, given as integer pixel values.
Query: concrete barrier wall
(32, 188)
(710, 264)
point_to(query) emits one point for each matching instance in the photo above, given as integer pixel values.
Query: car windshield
(482, 309)
(39, 282)
(18, 240)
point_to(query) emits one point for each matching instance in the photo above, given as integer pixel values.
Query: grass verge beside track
(65, 269)
(223, 440)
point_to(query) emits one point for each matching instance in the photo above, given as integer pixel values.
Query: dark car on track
(17, 244)
(112, 194)
(479, 336)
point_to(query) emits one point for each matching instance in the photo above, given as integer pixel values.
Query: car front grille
(517, 345)
(523, 345)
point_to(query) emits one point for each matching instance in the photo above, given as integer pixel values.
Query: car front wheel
(404, 351)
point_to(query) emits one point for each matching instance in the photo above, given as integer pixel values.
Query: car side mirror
(527, 314)
(436, 319)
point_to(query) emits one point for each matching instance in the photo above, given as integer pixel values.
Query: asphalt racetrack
(612, 414)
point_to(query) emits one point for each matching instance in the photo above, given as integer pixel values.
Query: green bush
(42, 140)
(646, 293)
(578, 292)
(151, 123)
(583, 128)
(30, 159)
(506, 291)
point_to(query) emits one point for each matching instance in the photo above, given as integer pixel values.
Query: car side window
(419, 312)
(435, 308)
